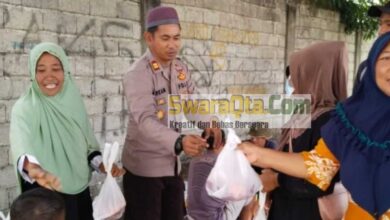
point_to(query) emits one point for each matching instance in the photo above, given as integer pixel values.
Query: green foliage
(353, 14)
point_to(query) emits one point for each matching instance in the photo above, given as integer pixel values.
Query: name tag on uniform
(182, 85)
(159, 92)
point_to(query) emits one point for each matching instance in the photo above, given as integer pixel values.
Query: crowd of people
(54, 148)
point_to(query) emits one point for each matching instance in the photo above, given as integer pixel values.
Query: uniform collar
(156, 67)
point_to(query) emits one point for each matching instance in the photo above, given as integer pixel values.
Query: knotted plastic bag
(110, 203)
(232, 177)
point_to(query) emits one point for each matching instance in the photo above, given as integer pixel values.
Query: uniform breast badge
(182, 75)
(160, 114)
(161, 102)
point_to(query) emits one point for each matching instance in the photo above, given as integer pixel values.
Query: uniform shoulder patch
(154, 64)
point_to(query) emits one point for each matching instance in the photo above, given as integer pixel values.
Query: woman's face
(49, 74)
(382, 71)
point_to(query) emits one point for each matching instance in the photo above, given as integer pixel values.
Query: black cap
(376, 10)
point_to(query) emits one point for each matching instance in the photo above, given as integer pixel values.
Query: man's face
(384, 24)
(259, 141)
(165, 42)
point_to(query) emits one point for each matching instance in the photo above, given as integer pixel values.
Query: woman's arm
(43, 177)
(288, 163)
(318, 166)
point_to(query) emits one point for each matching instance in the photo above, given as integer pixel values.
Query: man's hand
(217, 134)
(194, 145)
(43, 178)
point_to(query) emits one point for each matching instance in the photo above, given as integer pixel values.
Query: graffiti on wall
(34, 33)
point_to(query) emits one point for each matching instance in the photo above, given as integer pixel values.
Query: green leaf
(353, 14)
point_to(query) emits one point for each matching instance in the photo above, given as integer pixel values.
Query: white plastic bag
(261, 213)
(3, 217)
(232, 177)
(110, 203)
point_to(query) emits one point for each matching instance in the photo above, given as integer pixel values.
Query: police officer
(152, 187)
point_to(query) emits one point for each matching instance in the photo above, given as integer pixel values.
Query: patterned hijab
(321, 71)
(358, 134)
(54, 129)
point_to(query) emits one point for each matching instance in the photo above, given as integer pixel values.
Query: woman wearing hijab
(355, 141)
(52, 141)
(321, 71)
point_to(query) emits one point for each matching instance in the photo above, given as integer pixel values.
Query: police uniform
(149, 144)
(152, 187)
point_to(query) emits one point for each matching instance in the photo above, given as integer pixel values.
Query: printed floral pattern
(386, 216)
(320, 169)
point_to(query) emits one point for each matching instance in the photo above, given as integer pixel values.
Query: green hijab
(54, 129)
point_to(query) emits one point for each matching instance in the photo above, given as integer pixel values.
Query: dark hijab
(358, 134)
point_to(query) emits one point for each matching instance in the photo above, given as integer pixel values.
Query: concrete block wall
(314, 25)
(102, 39)
(233, 45)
